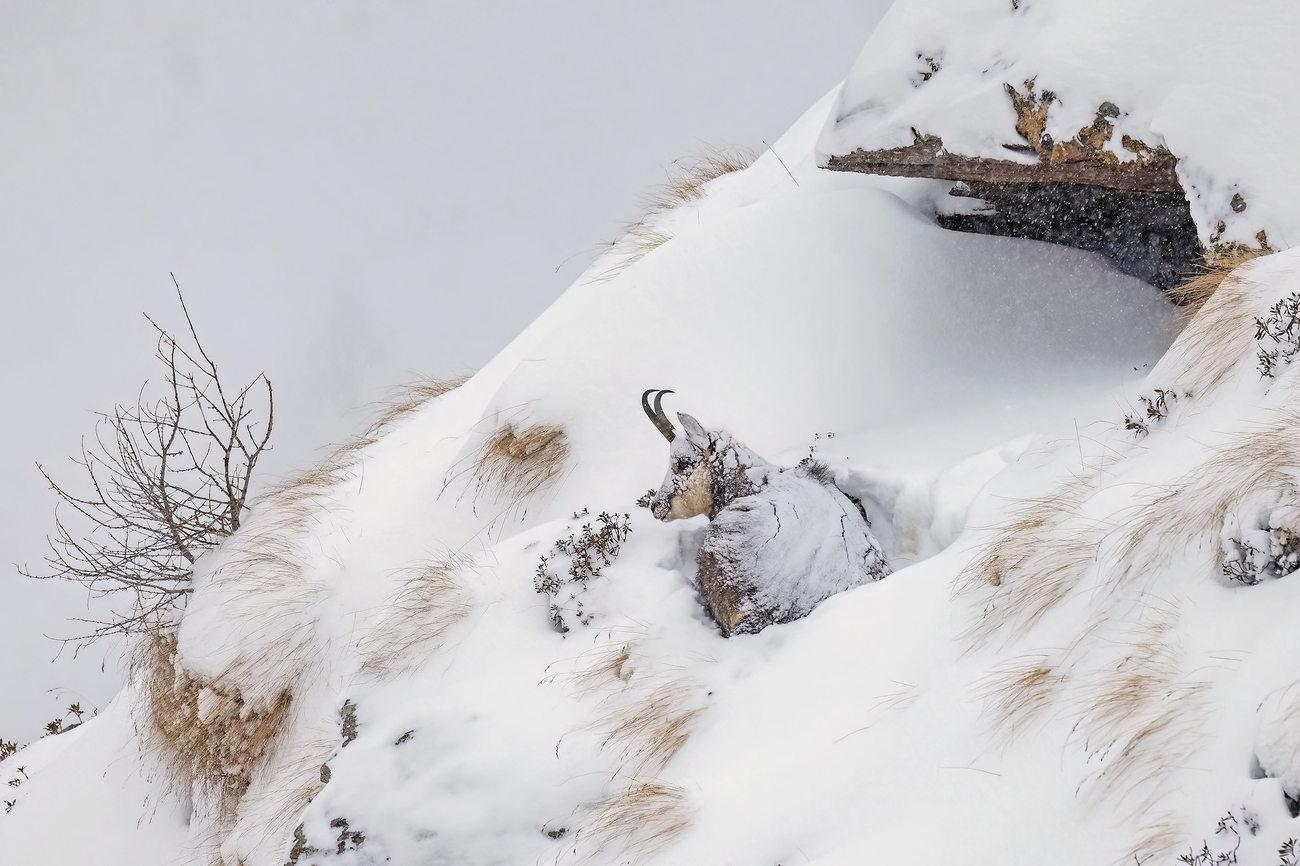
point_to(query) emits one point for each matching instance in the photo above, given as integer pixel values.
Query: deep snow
(1057, 671)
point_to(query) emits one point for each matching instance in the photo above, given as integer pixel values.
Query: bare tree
(166, 479)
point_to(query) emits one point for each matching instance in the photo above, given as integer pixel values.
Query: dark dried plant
(164, 481)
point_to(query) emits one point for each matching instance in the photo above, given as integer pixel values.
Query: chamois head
(707, 469)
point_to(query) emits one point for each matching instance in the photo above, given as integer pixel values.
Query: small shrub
(646, 498)
(162, 482)
(588, 554)
(1229, 825)
(1289, 853)
(1157, 407)
(1282, 327)
(14, 783)
(7, 748)
(1259, 545)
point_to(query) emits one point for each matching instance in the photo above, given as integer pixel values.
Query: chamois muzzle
(656, 415)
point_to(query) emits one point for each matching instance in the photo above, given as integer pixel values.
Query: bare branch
(164, 481)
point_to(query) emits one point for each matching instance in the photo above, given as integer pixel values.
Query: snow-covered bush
(1281, 329)
(1261, 541)
(587, 553)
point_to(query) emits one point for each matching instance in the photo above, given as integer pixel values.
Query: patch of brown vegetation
(687, 178)
(639, 820)
(1031, 563)
(207, 735)
(405, 401)
(1220, 262)
(429, 602)
(519, 462)
(1031, 115)
(1018, 693)
(648, 733)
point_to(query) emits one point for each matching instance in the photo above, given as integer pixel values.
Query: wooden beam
(927, 158)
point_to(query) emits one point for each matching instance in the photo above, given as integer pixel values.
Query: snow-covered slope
(1211, 81)
(1056, 671)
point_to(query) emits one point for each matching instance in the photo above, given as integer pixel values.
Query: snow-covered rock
(1213, 82)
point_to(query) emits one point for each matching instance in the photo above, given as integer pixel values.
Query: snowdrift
(1082, 656)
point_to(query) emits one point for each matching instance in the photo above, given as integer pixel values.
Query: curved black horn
(656, 415)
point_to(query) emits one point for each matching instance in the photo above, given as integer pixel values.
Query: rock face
(1077, 192)
(1148, 235)
(772, 557)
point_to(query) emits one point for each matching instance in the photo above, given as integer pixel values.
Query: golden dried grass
(405, 401)
(1218, 325)
(1197, 289)
(1031, 563)
(604, 666)
(638, 821)
(208, 737)
(1018, 693)
(647, 733)
(518, 462)
(1190, 513)
(687, 178)
(1141, 721)
(430, 601)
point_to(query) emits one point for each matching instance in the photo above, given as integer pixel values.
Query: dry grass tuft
(1031, 563)
(648, 733)
(429, 602)
(302, 489)
(639, 820)
(1190, 514)
(1018, 693)
(1219, 323)
(607, 666)
(408, 399)
(209, 739)
(1141, 722)
(1193, 293)
(520, 461)
(689, 175)
(687, 178)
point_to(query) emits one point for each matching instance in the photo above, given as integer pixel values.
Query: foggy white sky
(349, 194)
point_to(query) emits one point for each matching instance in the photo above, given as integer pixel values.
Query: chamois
(780, 540)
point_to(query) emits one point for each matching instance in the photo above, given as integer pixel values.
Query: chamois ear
(694, 432)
